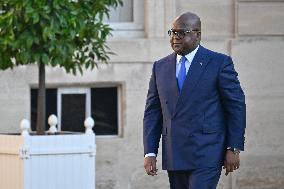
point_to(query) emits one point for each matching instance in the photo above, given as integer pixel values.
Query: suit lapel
(196, 69)
(171, 82)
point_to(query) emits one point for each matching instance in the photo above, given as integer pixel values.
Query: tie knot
(183, 59)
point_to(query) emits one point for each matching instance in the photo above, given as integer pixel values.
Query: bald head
(189, 20)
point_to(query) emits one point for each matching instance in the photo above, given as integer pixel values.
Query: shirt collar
(189, 56)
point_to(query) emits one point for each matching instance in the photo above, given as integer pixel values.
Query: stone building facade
(251, 31)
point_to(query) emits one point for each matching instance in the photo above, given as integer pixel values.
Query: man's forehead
(187, 21)
(177, 25)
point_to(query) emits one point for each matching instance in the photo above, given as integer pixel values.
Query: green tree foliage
(65, 33)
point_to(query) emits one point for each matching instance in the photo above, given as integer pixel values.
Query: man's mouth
(176, 44)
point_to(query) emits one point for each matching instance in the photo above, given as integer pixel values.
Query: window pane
(73, 112)
(51, 106)
(122, 13)
(104, 110)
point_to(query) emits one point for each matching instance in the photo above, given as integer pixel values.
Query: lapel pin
(200, 63)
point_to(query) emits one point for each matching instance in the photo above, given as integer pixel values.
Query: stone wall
(251, 31)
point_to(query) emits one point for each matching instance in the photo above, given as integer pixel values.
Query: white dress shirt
(189, 58)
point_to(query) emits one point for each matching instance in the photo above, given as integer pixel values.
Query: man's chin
(177, 50)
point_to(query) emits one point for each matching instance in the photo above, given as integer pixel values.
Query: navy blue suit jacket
(200, 122)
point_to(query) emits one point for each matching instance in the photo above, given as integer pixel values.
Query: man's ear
(198, 35)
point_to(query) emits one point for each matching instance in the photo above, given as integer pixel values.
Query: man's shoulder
(215, 58)
(165, 59)
(215, 54)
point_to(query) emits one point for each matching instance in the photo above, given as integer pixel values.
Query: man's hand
(231, 162)
(150, 165)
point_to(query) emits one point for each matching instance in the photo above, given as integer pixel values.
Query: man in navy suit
(196, 103)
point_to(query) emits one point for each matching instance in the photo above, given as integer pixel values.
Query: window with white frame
(122, 13)
(73, 105)
(128, 20)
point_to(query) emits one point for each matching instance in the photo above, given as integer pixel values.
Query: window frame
(133, 29)
(72, 90)
(119, 109)
(86, 89)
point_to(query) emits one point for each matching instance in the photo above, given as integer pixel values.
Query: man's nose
(176, 37)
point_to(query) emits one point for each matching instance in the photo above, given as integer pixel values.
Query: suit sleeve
(233, 100)
(152, 122)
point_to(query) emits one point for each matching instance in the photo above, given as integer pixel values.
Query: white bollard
(89, 124)
(52, 121)
(25, 126)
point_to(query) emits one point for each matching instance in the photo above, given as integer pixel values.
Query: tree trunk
(40, 128)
